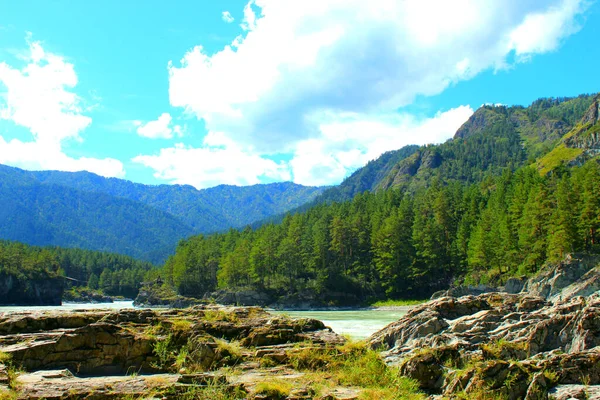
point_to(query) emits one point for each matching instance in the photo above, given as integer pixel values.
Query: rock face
(477, 342)
(46, 291)
(103, 342)
(572, 277)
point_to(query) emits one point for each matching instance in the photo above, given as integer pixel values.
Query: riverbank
(204, 352)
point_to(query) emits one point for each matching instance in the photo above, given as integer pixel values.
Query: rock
(43, 291)
(512, 339)
(514, 285)
(82, 295)
(460, 291)
(552, 280)
(109, 342)
(538, 388)
(155, 294)
(425, 369)
(569, 392)
(240, 297)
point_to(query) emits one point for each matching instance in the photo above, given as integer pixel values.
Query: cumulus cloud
(349, 141)
(160, 128)
(39, 97)
(210, 166)
(300, 62)
(227, 17)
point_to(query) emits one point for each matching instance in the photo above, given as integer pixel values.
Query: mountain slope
(204, 211)
(88, 211)
(41, 214)
(577, 146)
(493, 139)
(368, 177)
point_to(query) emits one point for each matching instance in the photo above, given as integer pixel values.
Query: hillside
(87, 211)
(472, 210)
(577, 146)
(495, 138)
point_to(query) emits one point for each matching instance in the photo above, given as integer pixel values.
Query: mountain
(579, 145)
(493, 139)
(480, 208)
(368, 177)
(88, 211)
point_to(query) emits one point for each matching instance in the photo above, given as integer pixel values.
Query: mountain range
(81, 209)
(84, 210)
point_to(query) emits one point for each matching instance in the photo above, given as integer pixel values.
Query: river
(358, 324)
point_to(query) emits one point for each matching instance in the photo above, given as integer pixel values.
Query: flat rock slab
(61, 384)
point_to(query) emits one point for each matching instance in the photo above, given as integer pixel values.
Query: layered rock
(494, 341)
(104, 354)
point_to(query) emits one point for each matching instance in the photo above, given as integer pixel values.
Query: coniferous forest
(399, 244)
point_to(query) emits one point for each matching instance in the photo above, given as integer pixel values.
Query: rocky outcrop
(574, 276)
(159, 295)
(155, 294)
(102, 342)
(240, 297)
(83, 295)
(46, 291)
(72, 355)
(494, 341)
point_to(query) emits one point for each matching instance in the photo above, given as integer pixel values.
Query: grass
(220, 315)
(181, 325)
(505, 350)
(274, 389)
(397, 303)
(561, 154)
(353, 365)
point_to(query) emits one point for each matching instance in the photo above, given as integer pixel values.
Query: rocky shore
(203, 352)
(542, 342)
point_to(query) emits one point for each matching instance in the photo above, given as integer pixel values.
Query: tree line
(404, 244)
(112, 274)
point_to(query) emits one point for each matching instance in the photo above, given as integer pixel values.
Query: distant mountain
(85, 210)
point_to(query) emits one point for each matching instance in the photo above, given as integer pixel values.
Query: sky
(244, 92)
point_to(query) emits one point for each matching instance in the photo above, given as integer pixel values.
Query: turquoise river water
(358, 324)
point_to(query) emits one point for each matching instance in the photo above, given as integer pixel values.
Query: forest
(112, 274)
(405, 244)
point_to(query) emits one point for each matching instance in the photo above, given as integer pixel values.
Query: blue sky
(240, 92)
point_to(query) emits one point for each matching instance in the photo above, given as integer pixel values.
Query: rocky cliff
(42, 291)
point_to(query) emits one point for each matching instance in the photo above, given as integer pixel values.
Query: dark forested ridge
(475, 209)
(25, 270)
(85, 210)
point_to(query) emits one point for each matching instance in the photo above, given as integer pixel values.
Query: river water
(358, 324)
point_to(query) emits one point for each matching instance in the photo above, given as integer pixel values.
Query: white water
(117, 305)
(358, 324)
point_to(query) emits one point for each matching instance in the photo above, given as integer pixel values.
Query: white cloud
(160, 128)
(323, 80)
(542, 32)
(227, 17)
(300, 58)
(349, 141)
(210, 166)
(39, 97)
